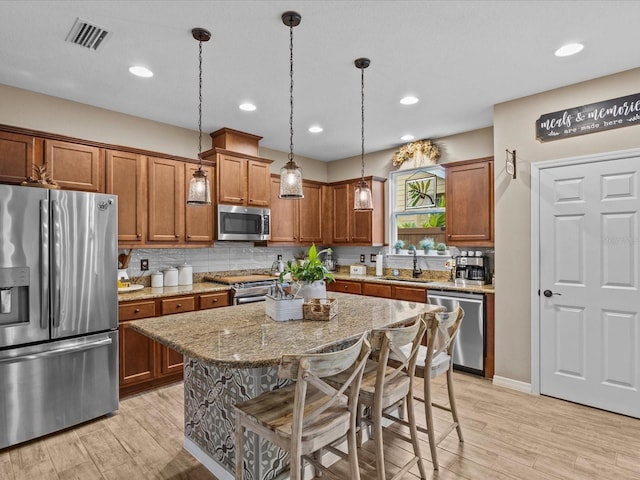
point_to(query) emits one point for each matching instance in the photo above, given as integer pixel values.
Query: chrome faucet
(416, 271)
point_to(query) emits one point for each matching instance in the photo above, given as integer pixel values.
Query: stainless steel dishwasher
(469, 351)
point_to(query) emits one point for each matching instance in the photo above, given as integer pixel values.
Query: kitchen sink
(405, 279)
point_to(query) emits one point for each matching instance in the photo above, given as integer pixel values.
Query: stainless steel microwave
(243, 223)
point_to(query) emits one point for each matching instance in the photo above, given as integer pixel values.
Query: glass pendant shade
(199, 189)
(291, 181)
(362, 196)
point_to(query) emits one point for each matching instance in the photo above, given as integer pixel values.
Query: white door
(589, 258)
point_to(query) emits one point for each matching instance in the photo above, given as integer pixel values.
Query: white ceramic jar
(157, 280)
(185, 275)
(171, 277)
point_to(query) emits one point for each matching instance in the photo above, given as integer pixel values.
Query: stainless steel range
(247, 288)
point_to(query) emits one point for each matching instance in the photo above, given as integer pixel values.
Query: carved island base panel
(209, 394)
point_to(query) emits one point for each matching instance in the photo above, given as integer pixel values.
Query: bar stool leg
(452, 403)
(429, 417)
(409, 408)
(239, 448)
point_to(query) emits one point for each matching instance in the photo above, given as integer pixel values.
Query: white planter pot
(317, 289)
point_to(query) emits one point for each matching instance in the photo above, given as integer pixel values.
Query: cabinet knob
(188, 236)
(139, 235)
(176, 236)
(215, 300)
(346, 287)
(179, 305)
(137, 310)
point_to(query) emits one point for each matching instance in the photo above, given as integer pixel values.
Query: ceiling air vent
(87, 35)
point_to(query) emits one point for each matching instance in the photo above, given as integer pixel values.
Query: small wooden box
(320, 309)
(236, 141)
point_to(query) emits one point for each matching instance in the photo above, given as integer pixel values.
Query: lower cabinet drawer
(345, 286)
(410, 294)
(376, 290)
(177, 305)
(213, 300)
(132, 311)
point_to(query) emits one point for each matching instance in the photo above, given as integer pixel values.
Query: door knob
(549, 293)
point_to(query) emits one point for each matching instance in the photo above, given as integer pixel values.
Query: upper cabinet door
(283, 216)
(310, 214)
(18, 155)
(470, 217)
(232, 179)
(166, 200)
(341, 213)
(74, 166)
(125, 177)
(198, 219)
(258, 183)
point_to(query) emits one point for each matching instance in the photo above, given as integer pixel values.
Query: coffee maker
(471, 269)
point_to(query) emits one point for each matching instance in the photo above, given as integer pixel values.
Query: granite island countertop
(242, 336)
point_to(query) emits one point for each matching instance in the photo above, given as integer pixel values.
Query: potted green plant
(426, 244)
(311, 275)
(398, 246)
(441, 248)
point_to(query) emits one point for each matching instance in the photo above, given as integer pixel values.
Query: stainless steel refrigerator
(58, 310)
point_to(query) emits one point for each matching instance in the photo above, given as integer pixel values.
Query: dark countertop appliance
(246, 288)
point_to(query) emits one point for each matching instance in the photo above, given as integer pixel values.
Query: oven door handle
(243, 300)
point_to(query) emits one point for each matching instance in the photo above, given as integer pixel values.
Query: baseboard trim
(512, 384)
(209, 463)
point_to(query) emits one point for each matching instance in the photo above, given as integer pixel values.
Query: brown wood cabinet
(296, 222)
(470, 215)
(376, 290)
(75, 166)
(345, 286)
(18, 155)
(126, 177)
(198, 220)
(350, 227)
(145, 363)
(242, 180)
(166, 200)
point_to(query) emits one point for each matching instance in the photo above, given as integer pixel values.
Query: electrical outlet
(372, 257)
(362, 258)
(144, 264)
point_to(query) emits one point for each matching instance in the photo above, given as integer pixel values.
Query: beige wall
(514, 128)
(311, 169)
(463, 146)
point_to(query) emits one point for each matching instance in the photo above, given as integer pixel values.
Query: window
(417, 205)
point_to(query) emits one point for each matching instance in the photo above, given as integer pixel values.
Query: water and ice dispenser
(14, 295)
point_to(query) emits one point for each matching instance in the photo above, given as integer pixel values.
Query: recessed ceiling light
(409, 100)
(406, 138)
(140, 71)
(247, 107)
(569, 49)
(315, 129)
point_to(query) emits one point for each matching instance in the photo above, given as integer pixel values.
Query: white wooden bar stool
(309, 414)
(385, 386)
(433, 360)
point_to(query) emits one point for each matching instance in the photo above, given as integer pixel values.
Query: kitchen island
(232, 354)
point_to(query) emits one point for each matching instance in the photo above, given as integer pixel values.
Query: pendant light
(199, 186)
(362, 196)
(291, 174)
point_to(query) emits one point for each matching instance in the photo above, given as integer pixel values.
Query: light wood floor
(508, 435)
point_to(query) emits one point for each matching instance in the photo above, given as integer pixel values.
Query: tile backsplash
(229, 256)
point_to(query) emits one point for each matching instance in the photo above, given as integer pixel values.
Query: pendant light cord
(200, 104)
(362, 128)
(291, 92)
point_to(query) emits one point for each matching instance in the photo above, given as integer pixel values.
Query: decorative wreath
(406, 152)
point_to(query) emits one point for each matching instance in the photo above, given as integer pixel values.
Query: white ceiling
(459, 57)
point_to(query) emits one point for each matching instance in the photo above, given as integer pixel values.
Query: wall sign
(595, 117)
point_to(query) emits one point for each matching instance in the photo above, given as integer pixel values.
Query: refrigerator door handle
(55, 260)
(57, 351)
(44, 264)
